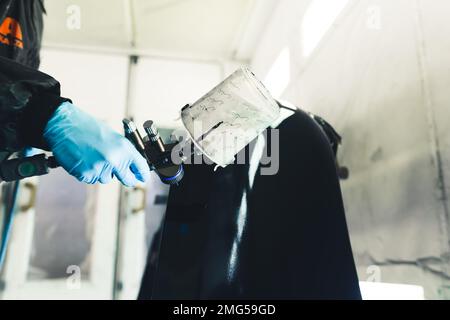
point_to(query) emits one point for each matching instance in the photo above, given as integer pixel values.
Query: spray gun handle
(21, 168)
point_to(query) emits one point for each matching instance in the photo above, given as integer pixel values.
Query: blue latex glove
(90, 150)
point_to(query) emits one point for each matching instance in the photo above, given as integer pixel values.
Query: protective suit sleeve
(28, 98)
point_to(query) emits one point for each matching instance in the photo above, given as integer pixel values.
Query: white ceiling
(220, 29)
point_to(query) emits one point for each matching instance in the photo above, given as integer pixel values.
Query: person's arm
(33, 114)
(28, 99)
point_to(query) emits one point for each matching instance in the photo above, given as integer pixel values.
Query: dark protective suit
(27, 97)
(283, 238)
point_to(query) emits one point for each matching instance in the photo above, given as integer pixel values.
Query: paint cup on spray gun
(230, 116)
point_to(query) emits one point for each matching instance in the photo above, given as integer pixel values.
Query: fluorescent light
(319, 17)
(279, 75)
(390, 291)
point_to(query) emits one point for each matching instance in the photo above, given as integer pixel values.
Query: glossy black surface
(284, 238)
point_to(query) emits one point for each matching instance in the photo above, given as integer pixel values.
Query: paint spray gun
(237, 110)
(218, 126)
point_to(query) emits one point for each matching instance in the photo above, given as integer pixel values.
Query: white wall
(379, 74)
(161, 87)
(96, 83)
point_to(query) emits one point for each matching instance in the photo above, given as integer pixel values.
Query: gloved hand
(90, 150)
